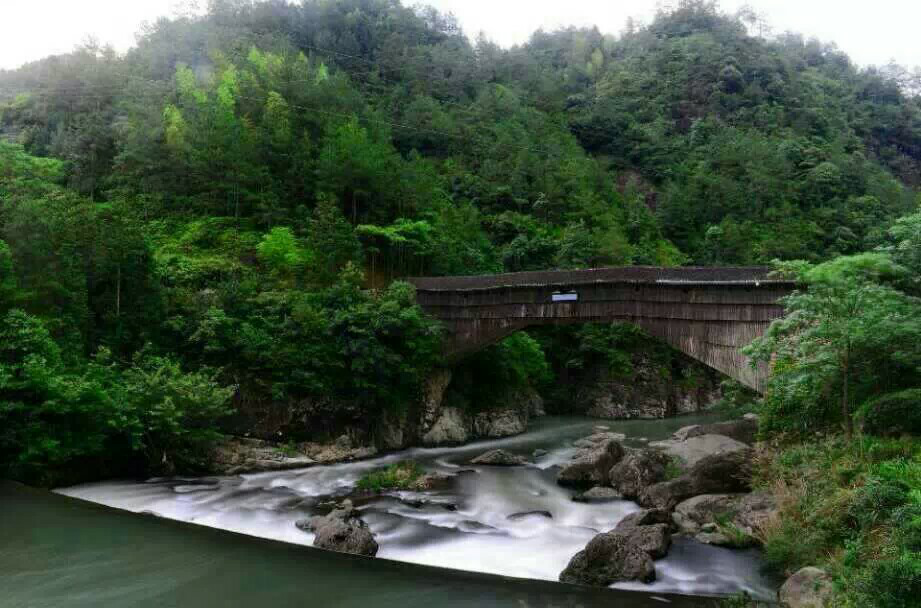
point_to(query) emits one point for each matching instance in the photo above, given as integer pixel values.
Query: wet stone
(526, 514)
(499, 458)
(598, 494)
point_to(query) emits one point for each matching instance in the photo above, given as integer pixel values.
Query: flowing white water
(468, 527)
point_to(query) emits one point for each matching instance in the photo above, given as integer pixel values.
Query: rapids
(466, 528)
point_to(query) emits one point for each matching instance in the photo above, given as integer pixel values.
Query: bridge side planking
(708, 313)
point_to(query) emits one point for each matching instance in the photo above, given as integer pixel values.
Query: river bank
(511, 521)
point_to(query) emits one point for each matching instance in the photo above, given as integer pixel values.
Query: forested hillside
(206, 214)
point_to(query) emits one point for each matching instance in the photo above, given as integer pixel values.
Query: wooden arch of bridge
(707, 313)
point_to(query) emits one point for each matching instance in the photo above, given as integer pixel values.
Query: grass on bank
(853, 508)
(738, 538)
(398, 476)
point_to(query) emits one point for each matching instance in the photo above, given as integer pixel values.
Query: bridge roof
(691, 275)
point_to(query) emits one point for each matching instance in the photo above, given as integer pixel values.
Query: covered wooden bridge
(707, 313)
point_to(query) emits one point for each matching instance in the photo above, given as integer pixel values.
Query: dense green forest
(223, 215)
(217, 202)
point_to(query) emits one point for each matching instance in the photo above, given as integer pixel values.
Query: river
(56, 552)
(466, 528)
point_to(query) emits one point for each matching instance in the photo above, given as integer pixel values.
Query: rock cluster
(716, 473)
(708, 499)
(598, 494)
(344, 448)
(744, 430)
(725, 519)
(591, 465)
(638, 470)
(441, 424)
(691, 450)
(240, 455)
(342, 530)
(431, 420)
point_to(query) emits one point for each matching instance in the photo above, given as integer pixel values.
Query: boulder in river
(744, 430)
(342, 449)
(638, 470)
(597, 438)
(527, 514)
(342, 530)
(592, 466)
(694, 449)
(598, 494)
(623, 554)
(431, 481)
(499, 458)
(808, 588)
(692, 515)
(610, 558)
(723, 472)
(654, 539)
(646, 517)
(726, 519)
(755, 512)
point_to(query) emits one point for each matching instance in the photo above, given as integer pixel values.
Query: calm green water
(60, 552)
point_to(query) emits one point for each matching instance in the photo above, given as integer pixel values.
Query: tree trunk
(845, 405)
(118, 292)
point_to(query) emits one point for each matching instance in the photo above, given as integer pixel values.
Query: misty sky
(870, 32)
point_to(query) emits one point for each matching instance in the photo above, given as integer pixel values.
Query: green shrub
(736, 399)
(62, 423)
(875, 500)
(895, 412)
(398, 476)
(891, 583)
(171, 414)
(906, 523)
(902, 470)
(737, 538)
(673, 469)
(486, 378)
(741, 600)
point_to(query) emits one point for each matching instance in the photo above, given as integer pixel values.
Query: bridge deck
(734, 275)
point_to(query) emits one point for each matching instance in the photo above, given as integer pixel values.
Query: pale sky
(870, 32)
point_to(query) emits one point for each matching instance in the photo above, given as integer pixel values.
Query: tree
(48, 418)
(8, 290)
(333, 239)
(904, 245)
(171, 415)
(846, 329)
(280, 251)
(356, 168)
